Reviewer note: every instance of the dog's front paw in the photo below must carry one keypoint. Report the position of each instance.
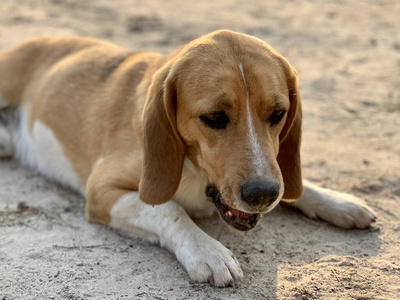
(342, 210)
(207, 260)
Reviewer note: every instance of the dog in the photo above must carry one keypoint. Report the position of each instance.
(152, 140)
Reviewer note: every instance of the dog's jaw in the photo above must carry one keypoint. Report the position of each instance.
(237, 219)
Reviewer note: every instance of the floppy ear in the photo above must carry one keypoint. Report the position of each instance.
(163, 146)
(290, 140)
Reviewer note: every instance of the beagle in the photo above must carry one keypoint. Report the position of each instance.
(152, 140)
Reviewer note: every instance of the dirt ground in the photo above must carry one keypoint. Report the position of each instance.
(348, 57)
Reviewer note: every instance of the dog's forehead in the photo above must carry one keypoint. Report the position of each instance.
(229, 81)
(220, 69)
(221, 60)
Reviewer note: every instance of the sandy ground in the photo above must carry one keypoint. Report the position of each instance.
(348, 57)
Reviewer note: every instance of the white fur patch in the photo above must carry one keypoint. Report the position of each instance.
(204, 258)
(129, 214)
(259, 157)
(23, 142)
(191, 194)
(42, 151)
(99, 161)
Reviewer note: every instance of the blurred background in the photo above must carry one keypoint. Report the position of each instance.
(347, 53)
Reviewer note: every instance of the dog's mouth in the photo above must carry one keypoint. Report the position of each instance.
(236, 218)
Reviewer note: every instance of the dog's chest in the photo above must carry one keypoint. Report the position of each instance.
(191, 192)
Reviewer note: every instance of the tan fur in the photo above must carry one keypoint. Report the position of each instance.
(140, 113)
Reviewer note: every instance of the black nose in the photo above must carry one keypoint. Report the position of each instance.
(260, 191)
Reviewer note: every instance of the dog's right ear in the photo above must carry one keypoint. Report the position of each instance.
(163, 145)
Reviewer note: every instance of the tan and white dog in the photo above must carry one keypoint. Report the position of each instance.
(152, 139)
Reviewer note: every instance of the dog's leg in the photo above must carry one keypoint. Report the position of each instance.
(204, 258)
(6, 142)
(340, 209)
(6, 145)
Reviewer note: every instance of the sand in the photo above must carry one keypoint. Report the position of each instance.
(348, 57)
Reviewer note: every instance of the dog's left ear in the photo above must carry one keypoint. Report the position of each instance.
(163, 145)
(290, 140)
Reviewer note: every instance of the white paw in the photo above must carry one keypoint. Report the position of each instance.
(342, 210)
(6, 145)
(207, 260)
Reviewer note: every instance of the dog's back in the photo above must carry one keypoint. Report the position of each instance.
(30, 60)
(75, 86)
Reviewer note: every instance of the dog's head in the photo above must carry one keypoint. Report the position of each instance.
(230, 104)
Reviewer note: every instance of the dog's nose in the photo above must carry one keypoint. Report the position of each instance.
(260, 191)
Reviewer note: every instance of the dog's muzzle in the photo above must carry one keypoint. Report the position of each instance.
(237, 219)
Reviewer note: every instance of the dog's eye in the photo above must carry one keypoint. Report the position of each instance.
(218, 120)
(276, 116)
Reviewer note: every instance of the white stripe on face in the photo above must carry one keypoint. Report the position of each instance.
(259, 160)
